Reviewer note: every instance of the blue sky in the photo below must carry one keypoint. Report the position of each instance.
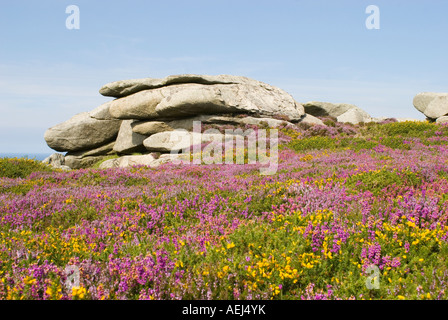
(315, 50)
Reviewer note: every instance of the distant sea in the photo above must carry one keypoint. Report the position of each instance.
(37, 156)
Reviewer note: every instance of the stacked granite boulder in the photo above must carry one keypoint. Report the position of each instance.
(433, 105)
(146, 111)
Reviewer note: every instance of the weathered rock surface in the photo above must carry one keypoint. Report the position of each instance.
(127, 87)
(431, 104)
(75, 162)
(83, 131)
(169, 158)
(148, 128)
(343, 112)
(151, 127)
(127, 140)
(57, 161)
(354, 116)
(127, 161)
(180, 139)
(269, 122)
(145, 160)
(443, 119)
(106, 149)
(309, 119)
(322, 109)
(190, 99)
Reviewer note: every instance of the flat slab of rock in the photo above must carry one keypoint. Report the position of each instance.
(124, 88)
(106, 149)
(191, 99)
(177, 140)
(431, 104)
(269, 122)
(151, 127)
(145, 160)
(127, 161)
(84, 131)
(148, 128)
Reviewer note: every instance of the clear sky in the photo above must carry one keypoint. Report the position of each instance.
(313, 49)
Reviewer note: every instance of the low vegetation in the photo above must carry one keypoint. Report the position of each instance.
(353, 212)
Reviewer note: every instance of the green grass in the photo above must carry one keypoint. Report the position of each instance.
(395, 135)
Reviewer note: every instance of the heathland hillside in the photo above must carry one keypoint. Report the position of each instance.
(352, 211)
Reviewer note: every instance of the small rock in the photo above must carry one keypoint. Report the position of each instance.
(56, 160)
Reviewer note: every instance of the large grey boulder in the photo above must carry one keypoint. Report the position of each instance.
(431, 104)
(127, 140)
(84, 131)
(343, 112)
(190, 99)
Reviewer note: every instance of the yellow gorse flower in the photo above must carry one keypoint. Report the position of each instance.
(78, 292)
